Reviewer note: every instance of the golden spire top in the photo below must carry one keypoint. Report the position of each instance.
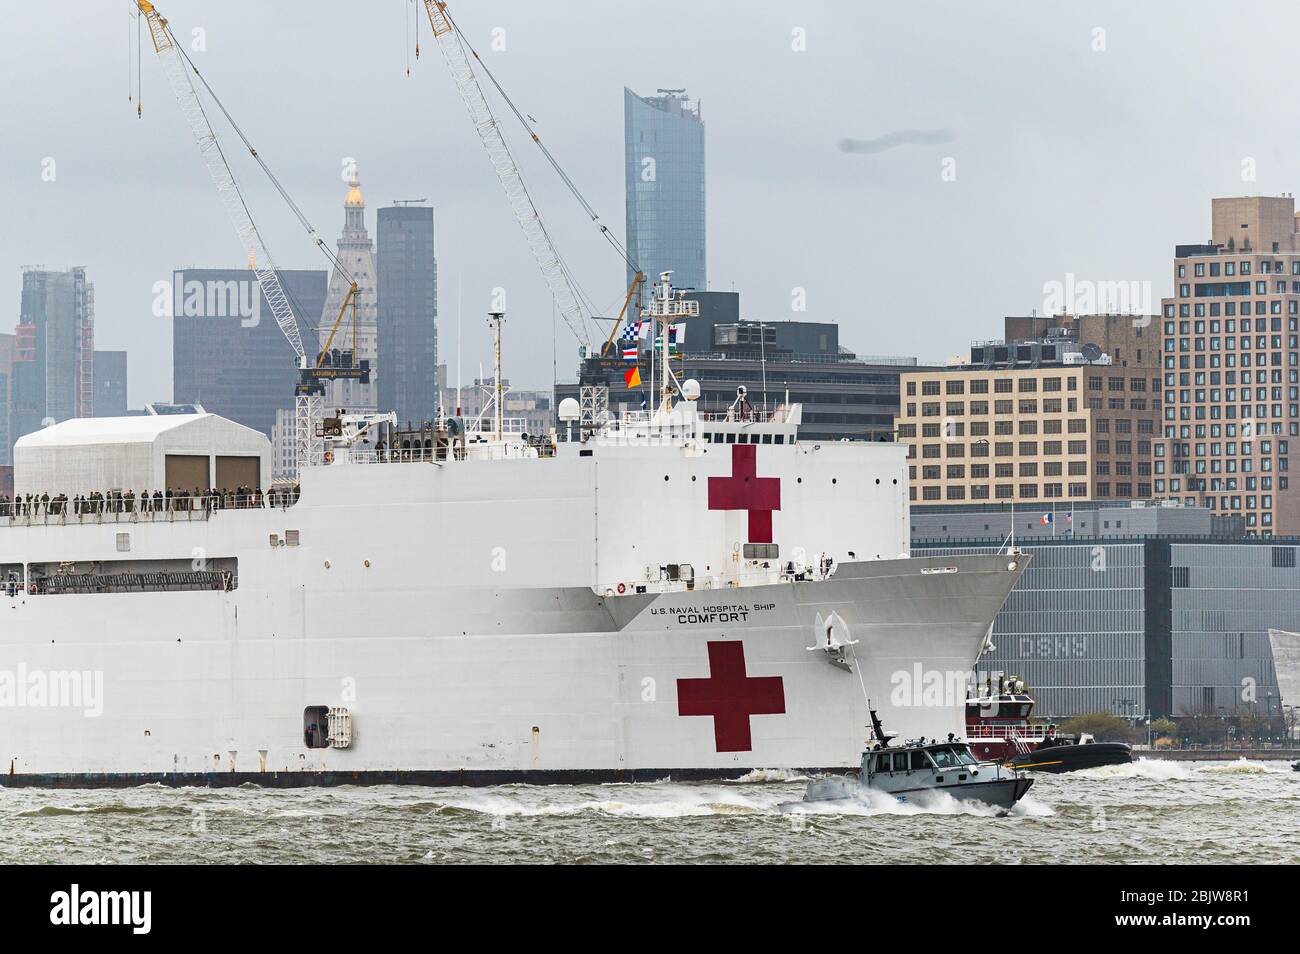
(354, 199)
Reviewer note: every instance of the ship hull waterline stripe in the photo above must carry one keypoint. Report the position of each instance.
(469, 778)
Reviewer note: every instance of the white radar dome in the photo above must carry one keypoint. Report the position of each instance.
(569, 410)
(691, 389)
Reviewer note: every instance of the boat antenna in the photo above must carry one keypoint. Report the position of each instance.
(879, 730)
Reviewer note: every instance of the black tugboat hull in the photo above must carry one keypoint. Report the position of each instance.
(1071, 758)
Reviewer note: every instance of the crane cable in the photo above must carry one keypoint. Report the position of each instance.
(288, 199)
(134, 11)
(564, 176)
(299, 312)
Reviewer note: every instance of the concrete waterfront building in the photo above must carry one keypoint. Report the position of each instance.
(228, 353)
(407, 302)
(1077, 521)
(110, 384)
(357, 253)
(664, 186)
(1231, 366)
(1051, 419)
(1161, 614)
(54, 350)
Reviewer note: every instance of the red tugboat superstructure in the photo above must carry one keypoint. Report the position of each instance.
(998, 730)
(997, 723)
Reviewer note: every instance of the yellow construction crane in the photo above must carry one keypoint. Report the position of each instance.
(638, 281)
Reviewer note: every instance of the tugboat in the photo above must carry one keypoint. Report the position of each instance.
(915, 767)
(997, 724)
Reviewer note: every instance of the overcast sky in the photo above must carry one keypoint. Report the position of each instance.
(1075, 151)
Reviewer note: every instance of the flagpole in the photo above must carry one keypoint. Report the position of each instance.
(650, 401)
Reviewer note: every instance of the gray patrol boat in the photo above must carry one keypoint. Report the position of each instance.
(909, 770)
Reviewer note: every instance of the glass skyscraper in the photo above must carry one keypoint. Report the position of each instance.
(228, 353)
(408, 313)
(664, 175)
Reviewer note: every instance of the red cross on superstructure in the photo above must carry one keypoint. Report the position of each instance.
(730, 696)
(744, 490)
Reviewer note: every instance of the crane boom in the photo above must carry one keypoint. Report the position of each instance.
(521, 203)
(259, 259)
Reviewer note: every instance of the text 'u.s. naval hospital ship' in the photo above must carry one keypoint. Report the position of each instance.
(664, 595)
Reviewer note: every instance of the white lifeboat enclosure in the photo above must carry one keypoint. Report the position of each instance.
(144, 452)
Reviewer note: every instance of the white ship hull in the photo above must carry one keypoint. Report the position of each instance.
(469, 619)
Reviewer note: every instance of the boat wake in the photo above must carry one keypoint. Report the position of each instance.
(659, 802)
(768, 776)
(874, 802)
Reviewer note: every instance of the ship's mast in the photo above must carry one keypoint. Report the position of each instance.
(667, 308)
(498, 389)
(666, 397)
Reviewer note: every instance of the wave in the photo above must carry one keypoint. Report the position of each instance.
(768, 776)
(1156, 770)
(1030, 807)
(54, 811)
(1244, 766)
(672, 801)
(871, 802)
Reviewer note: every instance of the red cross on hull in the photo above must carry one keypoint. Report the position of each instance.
(730, 696)
(745, 490)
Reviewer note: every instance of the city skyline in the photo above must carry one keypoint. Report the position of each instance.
(1020, 153)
